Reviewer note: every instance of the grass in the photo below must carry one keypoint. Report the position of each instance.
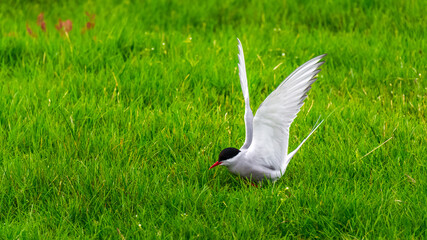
(109, 134)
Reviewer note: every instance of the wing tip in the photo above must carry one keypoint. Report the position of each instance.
(318, 58)
(317, 71)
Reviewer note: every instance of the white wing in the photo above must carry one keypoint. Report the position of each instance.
(275, 115)
(248, 112)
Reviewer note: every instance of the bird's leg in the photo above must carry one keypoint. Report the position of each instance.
(249, 180)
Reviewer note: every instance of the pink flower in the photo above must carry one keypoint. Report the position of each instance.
(90, 24)
(64, 26)
(41, 22)
(30, 31)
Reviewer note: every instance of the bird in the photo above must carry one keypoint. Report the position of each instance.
(264, 154)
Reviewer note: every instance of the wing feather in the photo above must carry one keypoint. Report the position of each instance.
(275, 115)
(244, 84)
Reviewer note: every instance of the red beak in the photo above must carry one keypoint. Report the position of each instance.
(215, 164)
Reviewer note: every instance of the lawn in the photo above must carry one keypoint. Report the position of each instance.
(107, 129)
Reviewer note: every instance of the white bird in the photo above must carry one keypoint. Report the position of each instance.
(265, 151)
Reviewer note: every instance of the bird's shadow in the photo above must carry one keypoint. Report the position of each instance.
(233, 182)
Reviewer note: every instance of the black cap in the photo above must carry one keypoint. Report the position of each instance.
(228, 153)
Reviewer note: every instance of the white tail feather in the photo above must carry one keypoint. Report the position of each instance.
(290, 155)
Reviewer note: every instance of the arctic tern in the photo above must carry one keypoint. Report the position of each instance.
(265, 151)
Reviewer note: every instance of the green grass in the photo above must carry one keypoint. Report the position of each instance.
(109, 134)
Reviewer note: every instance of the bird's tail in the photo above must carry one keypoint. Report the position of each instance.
(290, 155)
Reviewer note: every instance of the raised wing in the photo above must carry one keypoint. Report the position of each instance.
(275, 115)
(248, 112)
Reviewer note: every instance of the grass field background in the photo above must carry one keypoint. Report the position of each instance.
(110, 133)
